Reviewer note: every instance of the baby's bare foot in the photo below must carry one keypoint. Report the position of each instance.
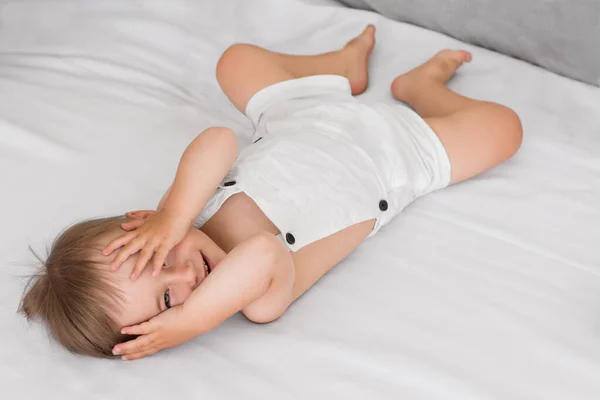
(357, 52)
(439, 68)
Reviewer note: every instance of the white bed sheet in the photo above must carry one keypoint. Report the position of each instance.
(486, 290)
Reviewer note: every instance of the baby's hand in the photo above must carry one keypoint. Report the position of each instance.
(137, 215)
(155, 234)
(167, 329)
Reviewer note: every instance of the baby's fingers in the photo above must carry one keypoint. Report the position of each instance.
(159, 259)
(118, 242)
(133, 247)
(145, 255)
(140, 344)
(142, 354)
(132, 225)
(139, 214)
(140, 329)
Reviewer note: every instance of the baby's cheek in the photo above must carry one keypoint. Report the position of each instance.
(181, 294)
(176, 256)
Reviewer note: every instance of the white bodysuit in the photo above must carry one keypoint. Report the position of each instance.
(322, 160)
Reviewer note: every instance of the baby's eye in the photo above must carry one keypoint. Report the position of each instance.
(167, 298)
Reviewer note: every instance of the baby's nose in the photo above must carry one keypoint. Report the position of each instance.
(183, 274)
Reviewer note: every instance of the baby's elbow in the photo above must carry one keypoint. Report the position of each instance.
(226, 136)
(277, 266)
(262, 315)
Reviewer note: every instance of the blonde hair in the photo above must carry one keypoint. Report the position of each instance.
(72, 292)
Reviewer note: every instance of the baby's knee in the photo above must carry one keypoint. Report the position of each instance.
(505, 130)
(513, 130)
(233, 58)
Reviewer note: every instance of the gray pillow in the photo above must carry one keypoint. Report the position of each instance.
(562, 36)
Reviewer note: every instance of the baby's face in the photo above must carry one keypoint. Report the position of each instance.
(148, 296)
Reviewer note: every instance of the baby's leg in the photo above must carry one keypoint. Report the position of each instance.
(477, 135)
(244, 69)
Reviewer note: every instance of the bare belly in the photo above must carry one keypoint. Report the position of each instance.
(238, 219)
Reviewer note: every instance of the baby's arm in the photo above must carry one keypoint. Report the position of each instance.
(256, 277)
(203, 165)
(216, 141)
(163, 200)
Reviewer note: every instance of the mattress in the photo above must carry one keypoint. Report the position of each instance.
(489, 289)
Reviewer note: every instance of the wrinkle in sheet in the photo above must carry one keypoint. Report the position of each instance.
(89, 70)
(18, 138)
(512, 239)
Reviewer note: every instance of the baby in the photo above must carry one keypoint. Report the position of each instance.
(325, 172)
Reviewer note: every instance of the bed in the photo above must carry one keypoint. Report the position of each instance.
(489, 289)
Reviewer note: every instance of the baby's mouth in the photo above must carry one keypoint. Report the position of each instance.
(207, 268)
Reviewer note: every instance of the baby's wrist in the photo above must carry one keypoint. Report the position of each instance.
(178, 216)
